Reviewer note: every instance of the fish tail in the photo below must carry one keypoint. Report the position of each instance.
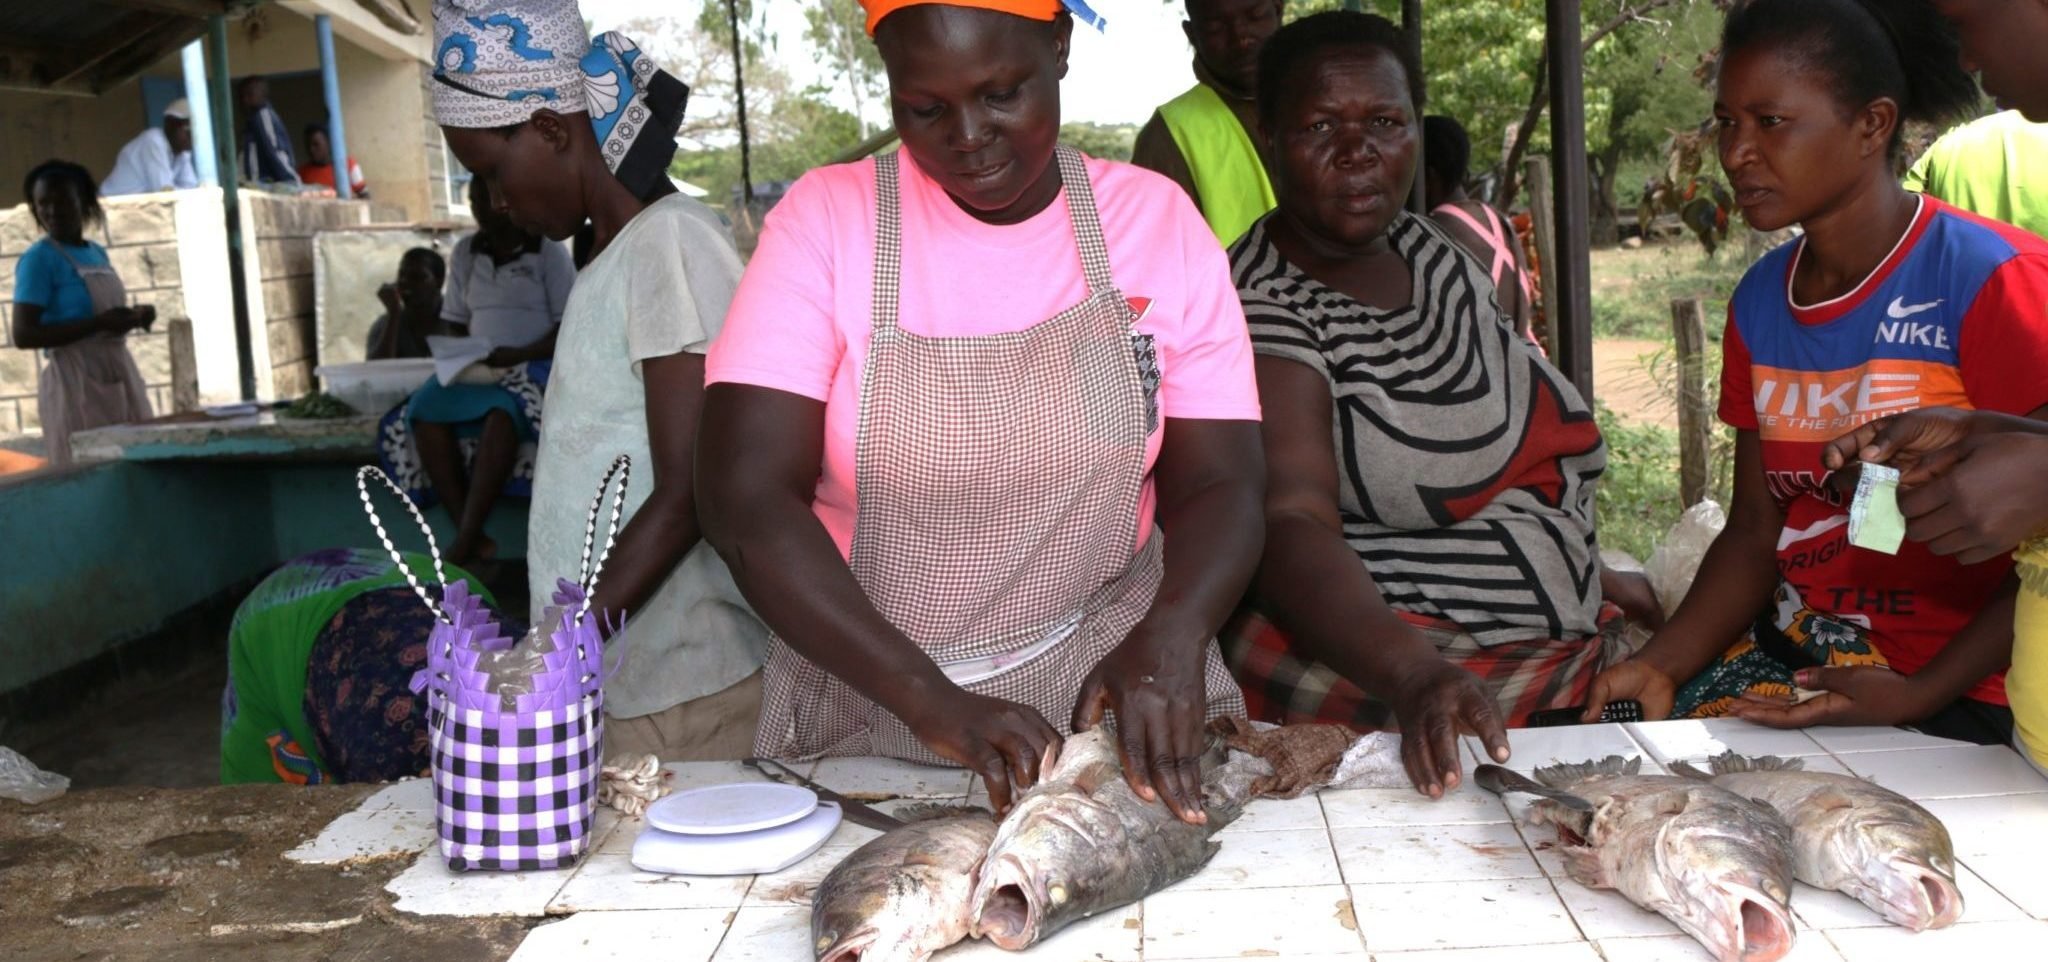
(1728, 763)
(1563, 774)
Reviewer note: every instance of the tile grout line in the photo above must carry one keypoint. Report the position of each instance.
(1343, 877)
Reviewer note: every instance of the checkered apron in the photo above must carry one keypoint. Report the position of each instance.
(515, 789)
(997, 479)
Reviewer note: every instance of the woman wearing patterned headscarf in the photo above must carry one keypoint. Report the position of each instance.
(566, 130)
(960, 385)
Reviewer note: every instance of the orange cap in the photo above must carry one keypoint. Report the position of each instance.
(1030, 9)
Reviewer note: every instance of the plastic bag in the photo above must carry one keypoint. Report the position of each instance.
(1373, 761)
(22, 781)
(1676, 561)
(511, 669)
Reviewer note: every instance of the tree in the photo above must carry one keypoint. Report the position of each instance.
(1486, 67)
(837, 32)
(700, 53)
(1104, 141)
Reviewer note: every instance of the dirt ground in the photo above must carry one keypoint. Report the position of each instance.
(149, 858)
(1621, 376)
(168, 875)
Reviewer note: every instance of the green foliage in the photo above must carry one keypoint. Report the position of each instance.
(1480, 59)
(798, 133)
(1106, 141)
(1638, 499)
(837, 33)
(1633, 289)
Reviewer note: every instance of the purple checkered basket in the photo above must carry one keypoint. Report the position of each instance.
(515, 789)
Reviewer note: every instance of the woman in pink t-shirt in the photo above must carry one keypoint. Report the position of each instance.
(958, 386)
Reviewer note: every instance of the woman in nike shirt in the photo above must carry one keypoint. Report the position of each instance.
(1890, 302)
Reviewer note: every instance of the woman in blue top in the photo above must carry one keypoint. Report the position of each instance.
(69, 304)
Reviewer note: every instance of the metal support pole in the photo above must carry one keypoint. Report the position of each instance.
(1573, 298)
(230, 195)
(330, 84)
(1411, 24)
(205, 159)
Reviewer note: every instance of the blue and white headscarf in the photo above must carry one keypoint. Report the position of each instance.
(496, 62)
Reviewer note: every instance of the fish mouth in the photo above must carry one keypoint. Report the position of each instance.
(848, 949)
(1922, 898)
(1007, 911)
(1762, 932)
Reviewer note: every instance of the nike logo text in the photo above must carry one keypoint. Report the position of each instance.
(1899, 308)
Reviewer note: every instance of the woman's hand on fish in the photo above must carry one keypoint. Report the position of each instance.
(1155, 686)
(1433, 705)
(1001, 741)
(1863, 695)
(1633, 679)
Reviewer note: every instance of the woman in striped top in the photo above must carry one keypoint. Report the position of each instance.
(1434, 568)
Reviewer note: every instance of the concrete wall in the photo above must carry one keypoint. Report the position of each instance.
(88, 130)
(141, 237)
(279, 271)
(171, 251)
(380, 74)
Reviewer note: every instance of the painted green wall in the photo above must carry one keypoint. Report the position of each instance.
(99, 556)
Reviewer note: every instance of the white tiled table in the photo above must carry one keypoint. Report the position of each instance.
(1383, 874)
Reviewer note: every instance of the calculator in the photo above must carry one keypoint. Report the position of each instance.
(1623, 710)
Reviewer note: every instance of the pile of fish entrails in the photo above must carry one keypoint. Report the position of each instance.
(1078, 843)
(1716, 852)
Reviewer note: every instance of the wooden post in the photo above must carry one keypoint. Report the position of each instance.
(1571, 299)
(1695, 422)
(1543, 221)
(1411, 25)
(184, 367)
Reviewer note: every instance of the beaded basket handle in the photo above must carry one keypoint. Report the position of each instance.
(622, 469)
(363, 477)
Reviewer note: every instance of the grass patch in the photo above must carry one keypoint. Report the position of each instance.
(1633, 289)
(1639, 498)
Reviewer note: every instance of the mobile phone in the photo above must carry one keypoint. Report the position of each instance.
(1623, 710)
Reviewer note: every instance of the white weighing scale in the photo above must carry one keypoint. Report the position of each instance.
(745, 828)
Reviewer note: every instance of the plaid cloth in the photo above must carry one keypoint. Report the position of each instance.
(1284, 688)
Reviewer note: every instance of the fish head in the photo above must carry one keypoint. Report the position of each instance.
(1905, 869)
(1052, 850)
(899, 927)
(1730, 882)
(846, 933)
(896, 919)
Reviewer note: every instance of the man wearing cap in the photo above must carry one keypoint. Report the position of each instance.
(159, 158)
(1203, 139)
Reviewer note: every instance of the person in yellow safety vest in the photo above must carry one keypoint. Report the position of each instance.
(1206, 140)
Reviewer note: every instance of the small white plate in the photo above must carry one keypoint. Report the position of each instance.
(731, 809)
(753, 853)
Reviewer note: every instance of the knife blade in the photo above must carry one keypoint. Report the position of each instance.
(859, 813)
(1501, 781)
